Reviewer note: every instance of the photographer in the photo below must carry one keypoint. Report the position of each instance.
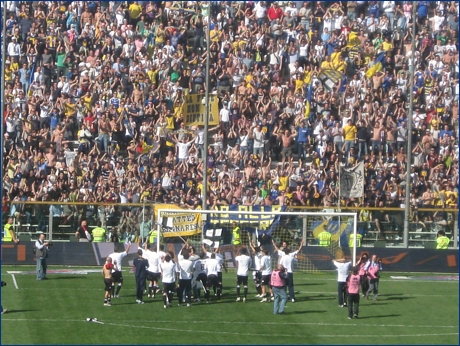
(1, 306)
(41, 253)
(278, 284)
(373, 269)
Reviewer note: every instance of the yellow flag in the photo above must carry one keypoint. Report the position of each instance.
(308, 102)
(353, 40)
(374, 69)
(377, 65)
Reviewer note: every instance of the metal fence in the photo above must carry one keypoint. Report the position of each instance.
(379, 227)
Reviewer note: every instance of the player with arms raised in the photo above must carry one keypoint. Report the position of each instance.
(199, 273)
(117, 274)
(108, 281)
(212, 268)
(153, 271)
(243, 262)
(266, 268)
(257, 274)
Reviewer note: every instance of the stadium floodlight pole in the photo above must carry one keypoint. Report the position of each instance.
(2, 96)
(340, 195)
(158, 232)
(339, 206)
(143, 220)
(204, 193)
(409, 132)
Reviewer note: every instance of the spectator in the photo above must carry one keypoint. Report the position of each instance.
(102, 88)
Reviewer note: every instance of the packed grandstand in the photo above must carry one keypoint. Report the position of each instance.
(104, 102)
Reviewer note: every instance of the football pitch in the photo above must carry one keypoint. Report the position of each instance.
(421, 308)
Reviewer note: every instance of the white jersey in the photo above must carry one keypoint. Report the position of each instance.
(342, 269)
(280, 254)
(200, 266)
(168, 272)
(212, 266)
(154, 260)
(288, 262)
(220, 260)
(266, 265)
(185, 269)
(161, 255)
(118, 257)
(257, 258)
(244, 263)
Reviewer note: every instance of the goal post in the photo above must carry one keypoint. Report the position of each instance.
(263, 228)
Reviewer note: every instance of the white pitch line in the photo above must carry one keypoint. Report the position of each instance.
(384, 336)
(326, 324)
(393, 296)
(14, 281)
(381, 280)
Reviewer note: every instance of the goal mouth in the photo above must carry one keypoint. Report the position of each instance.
(272, 228)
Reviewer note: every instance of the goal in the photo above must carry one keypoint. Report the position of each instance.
(267, 227)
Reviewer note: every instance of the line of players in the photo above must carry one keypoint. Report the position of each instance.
(193, 273)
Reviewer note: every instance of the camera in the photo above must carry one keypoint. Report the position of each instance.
(50, 244)
(3, 283)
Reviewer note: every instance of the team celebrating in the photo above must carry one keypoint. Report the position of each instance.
(192, 273)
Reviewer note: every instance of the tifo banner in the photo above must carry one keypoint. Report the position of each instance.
(333, 227)
(177, 224)
(330, 78)
(195, 110)
(264, 221)
(352, 181)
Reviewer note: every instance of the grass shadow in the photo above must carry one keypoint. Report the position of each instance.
(311, 284)
(306, 312)
(129, 303)
(399, 298)
(15, 311)
(379, 316)
(320, 297)
(377, 303)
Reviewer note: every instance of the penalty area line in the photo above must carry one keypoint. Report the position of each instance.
(14, 281)
(236, 322)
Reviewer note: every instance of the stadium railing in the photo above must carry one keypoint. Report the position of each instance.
(48, 217)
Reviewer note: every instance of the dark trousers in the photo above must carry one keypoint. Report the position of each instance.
(353, 304)
(290, 285)
(140, 285)
(185, 287)
(342, 291)
(364, 284)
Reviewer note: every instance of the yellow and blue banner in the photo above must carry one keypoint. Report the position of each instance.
(378, 66)
(265, 223)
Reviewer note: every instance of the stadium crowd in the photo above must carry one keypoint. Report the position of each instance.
(94, 102)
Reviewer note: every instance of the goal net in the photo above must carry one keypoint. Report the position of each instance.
(269, 228)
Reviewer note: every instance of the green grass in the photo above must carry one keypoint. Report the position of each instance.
(55, 312)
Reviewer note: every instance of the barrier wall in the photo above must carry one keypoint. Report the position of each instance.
(94, 254)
